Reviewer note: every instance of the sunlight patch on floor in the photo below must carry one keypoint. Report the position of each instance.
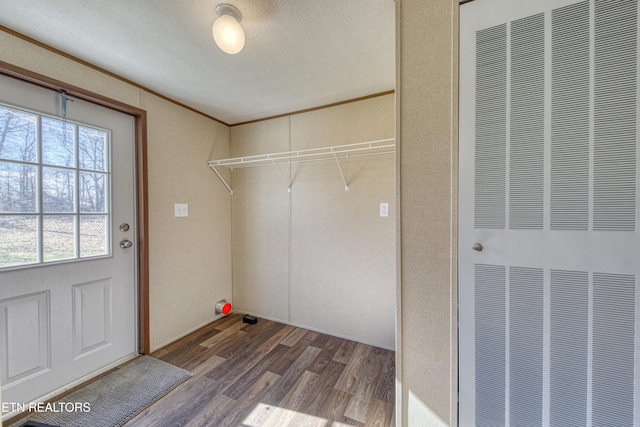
(264, 415)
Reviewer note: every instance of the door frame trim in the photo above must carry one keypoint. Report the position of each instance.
(142, 203)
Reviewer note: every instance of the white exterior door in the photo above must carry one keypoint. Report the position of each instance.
(67, 288)
(549, 249)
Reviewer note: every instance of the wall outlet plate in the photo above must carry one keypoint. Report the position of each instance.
(384, 209)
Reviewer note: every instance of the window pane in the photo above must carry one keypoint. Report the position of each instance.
(93, 192)
(18, 240)
(51, 171)
(58, 237)
(58, 187)
(93, 235)
(17, 135)
(92, 146)
(57, 142)
(18, 188)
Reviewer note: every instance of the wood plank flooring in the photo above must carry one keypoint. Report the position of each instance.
(274, 375)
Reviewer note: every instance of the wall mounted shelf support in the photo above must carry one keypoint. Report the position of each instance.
(284, 181)
(338, 152)
(346, 186)
(222, 179)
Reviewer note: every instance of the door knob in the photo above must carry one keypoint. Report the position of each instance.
(477, 247)
(125, 244)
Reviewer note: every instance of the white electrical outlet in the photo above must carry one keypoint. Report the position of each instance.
(181, 209)
(384, 209)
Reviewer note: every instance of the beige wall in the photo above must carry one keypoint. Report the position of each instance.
(190, 258)
(427, 192)
(261, 223)
(318, 257)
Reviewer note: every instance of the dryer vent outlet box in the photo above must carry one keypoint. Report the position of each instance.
(223, 307)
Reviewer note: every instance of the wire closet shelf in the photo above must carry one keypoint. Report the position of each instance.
(335, 153)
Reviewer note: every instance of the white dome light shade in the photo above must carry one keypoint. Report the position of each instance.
(227, 31)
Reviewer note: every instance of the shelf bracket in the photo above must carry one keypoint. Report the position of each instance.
(221, 178)
(284, 181)
(346, 186)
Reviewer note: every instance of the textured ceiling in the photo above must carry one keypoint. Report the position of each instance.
(298, 54)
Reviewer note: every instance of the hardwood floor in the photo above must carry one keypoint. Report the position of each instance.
(271, 374)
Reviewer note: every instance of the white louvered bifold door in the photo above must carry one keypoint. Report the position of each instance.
(549, 187)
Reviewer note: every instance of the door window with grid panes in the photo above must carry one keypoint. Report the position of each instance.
(54, 189)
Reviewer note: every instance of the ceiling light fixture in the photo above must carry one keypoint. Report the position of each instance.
(227, 31)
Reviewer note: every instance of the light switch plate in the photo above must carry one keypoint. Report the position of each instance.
(181, 209)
